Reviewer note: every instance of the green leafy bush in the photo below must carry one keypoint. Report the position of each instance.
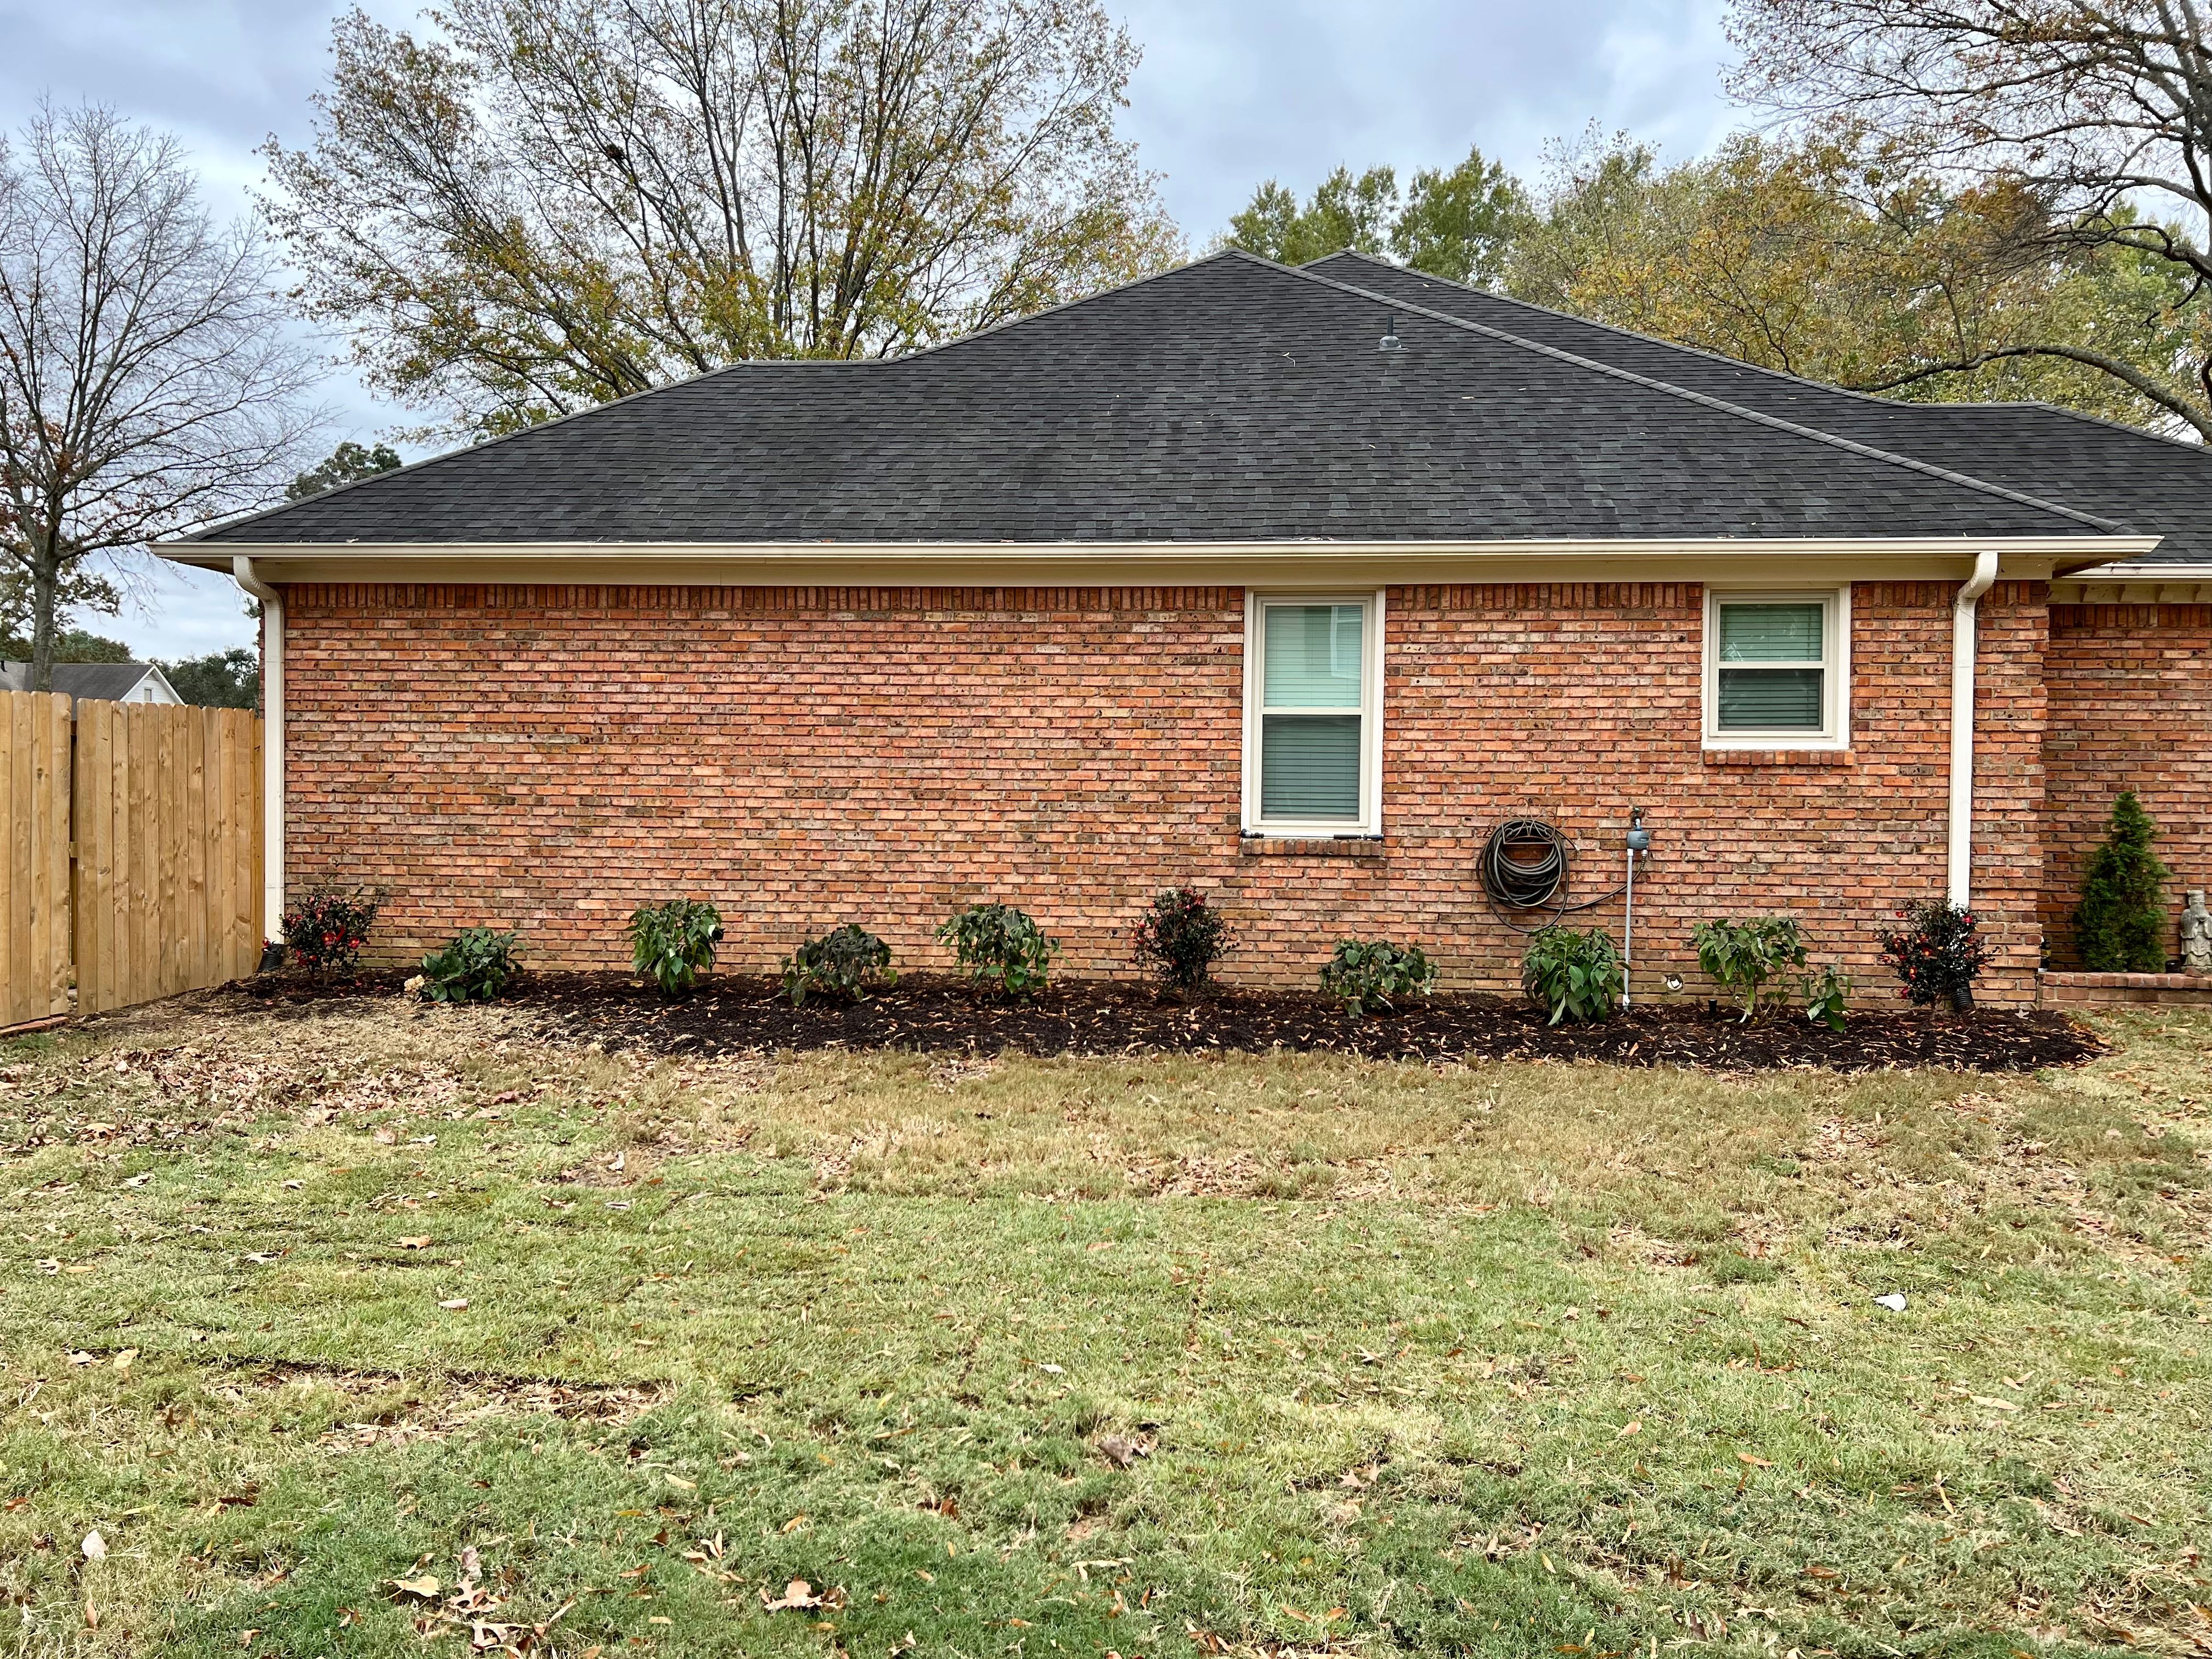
(1577, 976)
(847, 963)
(1744, 955)
(673, 944)
(327, 927)
(1365, 975)
(998, 942)
(1936, 954)
(475, 966)
(2121, 927)
(1181, 937)
(1825, 993)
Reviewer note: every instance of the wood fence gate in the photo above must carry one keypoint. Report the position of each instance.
(134, 849)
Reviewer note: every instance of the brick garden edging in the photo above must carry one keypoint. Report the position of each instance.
(2096, 990)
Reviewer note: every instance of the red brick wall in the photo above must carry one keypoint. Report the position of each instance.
(2131, 708)
(547, 758)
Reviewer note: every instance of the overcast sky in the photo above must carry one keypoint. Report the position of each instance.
(1231, 92)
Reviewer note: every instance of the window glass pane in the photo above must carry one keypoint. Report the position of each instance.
(1311, 655)
(1310, 767)
(1771, 700)
(1770, 632)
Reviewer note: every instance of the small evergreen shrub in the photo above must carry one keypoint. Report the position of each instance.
(998, 942)
(1181, 937)
(327, 928)
(847, 963)
(1577, 976)
(1936, 954)
(673, 944)
(2121, 927)
(1742, 956)
(1365, 975)
(1824, 996)
(475, 966)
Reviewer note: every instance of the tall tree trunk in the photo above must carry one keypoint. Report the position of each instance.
(45, 582)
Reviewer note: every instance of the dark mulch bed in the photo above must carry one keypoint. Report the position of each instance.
(732, 1015)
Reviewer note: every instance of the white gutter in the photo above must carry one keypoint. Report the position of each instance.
(273, 740)
(1960, 861)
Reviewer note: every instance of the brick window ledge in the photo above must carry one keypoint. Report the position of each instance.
(1316, 847)
(1827, 757)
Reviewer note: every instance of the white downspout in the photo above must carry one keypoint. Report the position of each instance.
(273, 740)
(1960, 863)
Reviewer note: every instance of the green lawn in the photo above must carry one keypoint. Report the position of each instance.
(1150, 1356)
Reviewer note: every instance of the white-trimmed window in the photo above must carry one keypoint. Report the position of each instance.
(1313, 703)
(1777, 669)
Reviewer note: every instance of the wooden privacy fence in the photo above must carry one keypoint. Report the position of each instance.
(135, 852)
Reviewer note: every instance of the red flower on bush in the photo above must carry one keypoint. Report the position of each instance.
(327, 927)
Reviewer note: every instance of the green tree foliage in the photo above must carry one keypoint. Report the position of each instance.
(1456, 223)
(76, 589)
(2121, 926)
(2093, 113)
(549, 204)
(220, 679)
(1832, 256)
(349, 463)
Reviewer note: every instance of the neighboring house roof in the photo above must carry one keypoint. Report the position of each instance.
(1232, 400)
(101, 682)
(2157, 484)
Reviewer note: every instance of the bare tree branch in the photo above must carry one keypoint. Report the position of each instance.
(147, 378)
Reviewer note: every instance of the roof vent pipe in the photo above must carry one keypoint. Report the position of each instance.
(1390, 341)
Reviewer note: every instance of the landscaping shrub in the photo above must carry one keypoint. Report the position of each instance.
(2121, 927)
(998, 942)
(327, 928)
(1742, 956)
(1365, 975)
(1577, 976)
(1181, 937)
(845, 964)
(1825, 993)
(674, 943)
(474, 966)
(1936, 954)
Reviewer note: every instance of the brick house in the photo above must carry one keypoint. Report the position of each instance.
(1292, 584)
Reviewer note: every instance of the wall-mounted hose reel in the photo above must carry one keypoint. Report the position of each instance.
(1525, 864)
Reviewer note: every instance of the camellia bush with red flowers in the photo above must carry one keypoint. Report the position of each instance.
(327, 928)
(1936, 954)
(1181, 937)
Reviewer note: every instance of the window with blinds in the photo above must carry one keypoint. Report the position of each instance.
(1310, 718)
(1773, 671)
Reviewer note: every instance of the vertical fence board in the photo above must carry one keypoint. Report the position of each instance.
(130, 847)
(35, 923)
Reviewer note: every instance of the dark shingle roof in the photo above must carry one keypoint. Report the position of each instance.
(1231, 399)
(2160, 486)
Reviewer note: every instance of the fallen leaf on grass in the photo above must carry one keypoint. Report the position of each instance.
(1994, 1404)
(136, 1180)
(426, 1587)
(797, 1594)
(679, 1482)
(81, 1358)
(422, 1242)
(296, 1185)
(1755, 1463)
(1121, 1452)
(454, 1304)
(1632, 1428)
(94, 1546)
(122, 1361)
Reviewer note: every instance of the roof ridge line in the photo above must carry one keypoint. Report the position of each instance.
(1849, 445)
(1725, 362)
(258, 513)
